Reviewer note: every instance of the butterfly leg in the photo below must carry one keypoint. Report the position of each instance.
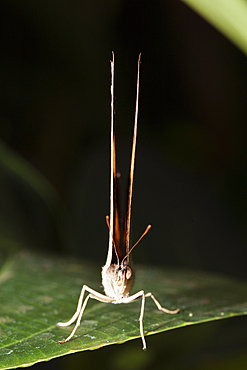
(80, 309)
(159, 305)
(142, 312)
(73, 318)
(144, 347)
(139, 295)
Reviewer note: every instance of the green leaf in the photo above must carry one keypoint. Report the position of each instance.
(228, 16)
(38, 291)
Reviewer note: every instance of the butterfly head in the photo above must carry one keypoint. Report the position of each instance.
(118, 280)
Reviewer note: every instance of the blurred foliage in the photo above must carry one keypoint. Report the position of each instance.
(228, 16)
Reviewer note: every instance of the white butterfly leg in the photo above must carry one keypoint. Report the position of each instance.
(80, 309)
(132, 298)
(159, 305)
(141, 295)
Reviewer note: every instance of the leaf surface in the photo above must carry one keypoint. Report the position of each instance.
(38, 291)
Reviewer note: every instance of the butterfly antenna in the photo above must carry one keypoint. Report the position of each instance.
(145, 232)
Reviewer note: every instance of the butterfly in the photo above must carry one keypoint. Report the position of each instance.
(117, 273)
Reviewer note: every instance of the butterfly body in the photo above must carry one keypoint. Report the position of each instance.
(117, 274)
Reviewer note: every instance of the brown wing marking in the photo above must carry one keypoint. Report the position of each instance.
(132, 167)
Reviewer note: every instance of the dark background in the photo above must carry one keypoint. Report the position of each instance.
(191, 162)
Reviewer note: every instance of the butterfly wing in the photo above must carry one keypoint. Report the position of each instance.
(114, 229)
(131, 175)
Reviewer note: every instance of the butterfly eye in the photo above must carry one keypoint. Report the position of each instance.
(111, 271)
(128, 272)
